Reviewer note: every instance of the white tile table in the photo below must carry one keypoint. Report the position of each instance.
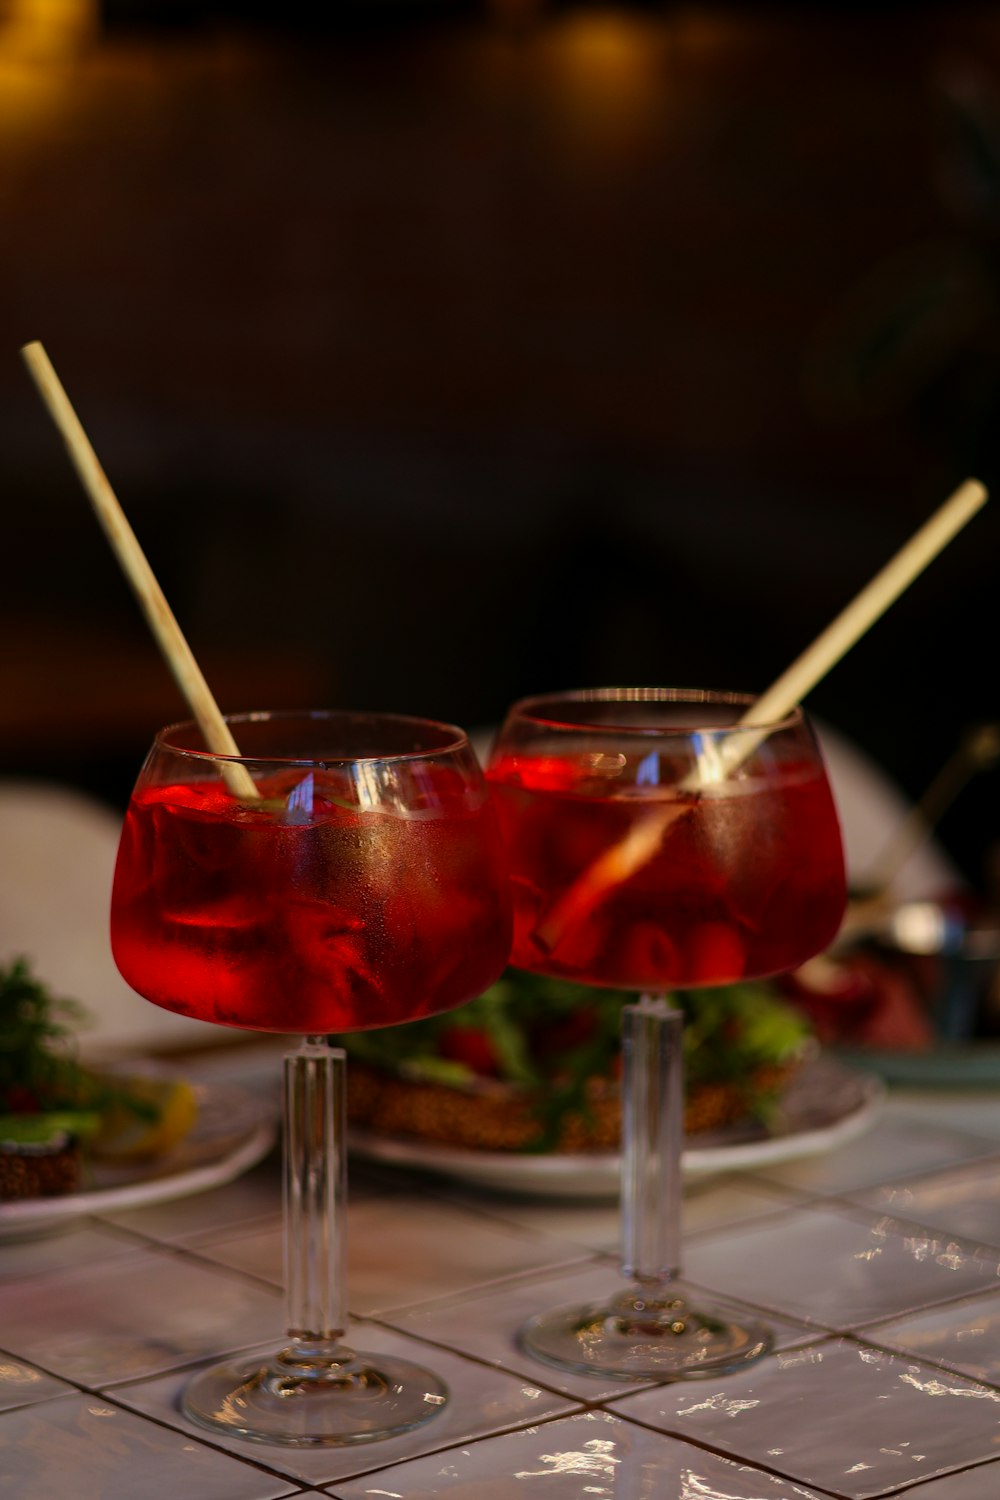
(878, 1265)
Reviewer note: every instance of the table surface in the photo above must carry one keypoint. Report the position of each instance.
(877, 1264)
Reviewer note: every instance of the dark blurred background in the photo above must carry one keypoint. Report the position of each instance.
(445, 352)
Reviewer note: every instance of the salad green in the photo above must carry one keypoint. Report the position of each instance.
(549, 1039)
(44, 1089)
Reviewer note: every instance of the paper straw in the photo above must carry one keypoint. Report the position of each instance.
(623, 859)
(152, 601)
(874, 599)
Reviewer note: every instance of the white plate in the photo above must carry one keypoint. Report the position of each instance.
(825, 1106)
(232, 1133)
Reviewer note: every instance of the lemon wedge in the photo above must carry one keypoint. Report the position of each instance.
(170, 1107)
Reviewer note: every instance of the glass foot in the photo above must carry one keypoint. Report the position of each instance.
(323, 1398)
(667, 1334)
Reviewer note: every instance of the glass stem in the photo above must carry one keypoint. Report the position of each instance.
(652, 1140)
(315, 1194)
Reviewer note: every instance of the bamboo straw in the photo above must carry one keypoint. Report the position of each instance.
(788, 691)
(160, 617)
(874, 599)
(622, 860)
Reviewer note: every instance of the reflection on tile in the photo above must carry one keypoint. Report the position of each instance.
(964, 1335)
(965, 1202)
(894, 1149)
(83, 1445)
(403, 1250)
(839, 1271)
(591, 1454)
(481, 1401)
(21, 1384)
(835, 1414)
(145, 1313)
(486, 1324)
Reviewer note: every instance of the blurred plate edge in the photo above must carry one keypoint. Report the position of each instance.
(213, 1155)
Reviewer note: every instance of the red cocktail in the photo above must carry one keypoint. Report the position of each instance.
(258, 917)
(656, 840)
(748, 882)
(343, 871)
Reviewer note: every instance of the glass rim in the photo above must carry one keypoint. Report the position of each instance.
(526, 709)
(453, 738)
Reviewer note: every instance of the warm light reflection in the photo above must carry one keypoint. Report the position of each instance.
(697, 1487)
(38, 40)
(602, 46)
(605, 69)
(46, 30)
(787, 1360)
(729, 1407)
(935, 1387)
(595, 1459)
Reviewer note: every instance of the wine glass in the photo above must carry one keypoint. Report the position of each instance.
(657, 842)
(344, 871)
